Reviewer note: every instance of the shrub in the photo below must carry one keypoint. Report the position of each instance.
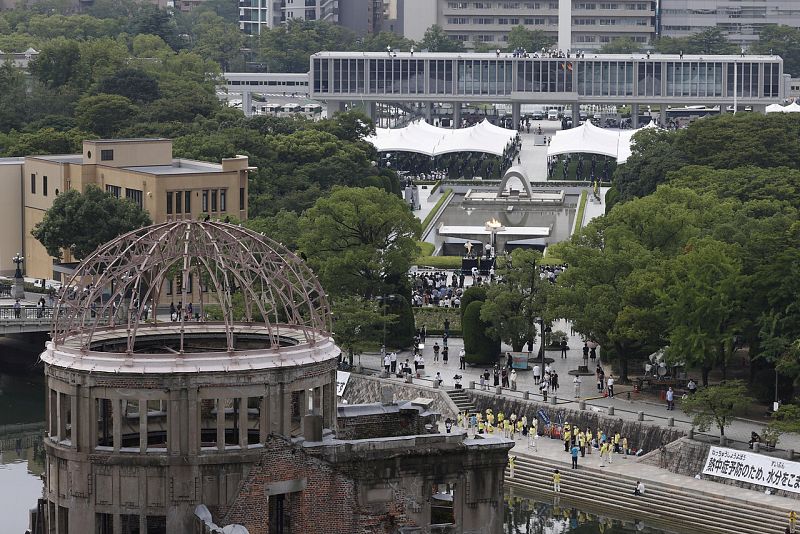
(401, 333)
(471, 294)
(480, 348)
(433, 320)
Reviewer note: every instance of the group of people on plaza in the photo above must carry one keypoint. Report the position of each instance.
(438, 289)
(592, 174)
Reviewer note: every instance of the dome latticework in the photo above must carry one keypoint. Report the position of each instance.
(244, 279)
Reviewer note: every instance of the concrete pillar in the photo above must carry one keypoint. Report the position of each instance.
(243, 422)
(193, 424)
(640, 416)
(634, 116)
(582, 405)
(370, 110)
(142, 425)
(662, 115)
(670, 421)
(220, 424)
(285, 412)
(471, 384)
(564, 25)
(116, 425)
(428, 109)
(263, 424)
(610, 410)
(554, 400)
(526, 395)
(515, 114)
(456, 114)
(335, 106)
(247, 103)
(498, 390)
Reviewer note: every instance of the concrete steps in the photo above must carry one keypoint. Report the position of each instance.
(681, 508)
(462, 401)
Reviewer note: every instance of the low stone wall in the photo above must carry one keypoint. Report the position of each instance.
(362, 389)
(640, 435)
(383, 421)
(688, 457)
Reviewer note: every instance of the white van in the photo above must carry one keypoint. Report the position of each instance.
(552, 115)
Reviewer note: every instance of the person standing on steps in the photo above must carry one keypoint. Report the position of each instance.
(556, 481)
(574, 452)
(512, 461)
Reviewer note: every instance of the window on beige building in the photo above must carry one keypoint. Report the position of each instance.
(106, 155)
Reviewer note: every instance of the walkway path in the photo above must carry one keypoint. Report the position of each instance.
(626, 403)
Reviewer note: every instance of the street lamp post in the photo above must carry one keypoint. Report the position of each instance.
(18, 289)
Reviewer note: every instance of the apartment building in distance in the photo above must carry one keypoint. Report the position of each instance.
(256, 15)
(141, 170)
(592, 23)
(741, 20)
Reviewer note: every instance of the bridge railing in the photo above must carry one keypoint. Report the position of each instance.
(26, 313)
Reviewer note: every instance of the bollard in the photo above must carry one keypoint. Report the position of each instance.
(610, 410)
(435, 384)
(757, 447)
(526, 395)
(723, 441)
(498, 390)
(471, 384)
(582, 405)
(691, 433)
(409, 379)
(553, 400)
(384, 374)
(514, 386)
(790, 454)
(670, 421)
(640, 416)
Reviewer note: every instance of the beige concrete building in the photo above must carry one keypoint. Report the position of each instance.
(11, 233)
(141, 170)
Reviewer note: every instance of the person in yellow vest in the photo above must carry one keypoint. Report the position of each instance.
(490, 428)
(567, 438)
(603, 450)
(582, 443)
(506, 429)
(533, 438)
(490, 418)
(524, 421)
(460, 420)
(625, 446)
(588, 440)
(556, 481)
(616, 442)
(500, 417)
(520, 427)
(512, 461)
(481, 427)
(792, 520)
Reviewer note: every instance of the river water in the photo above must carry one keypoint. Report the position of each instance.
(22, 402)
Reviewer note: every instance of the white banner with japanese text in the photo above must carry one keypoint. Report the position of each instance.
(342, 377)
(754, 468)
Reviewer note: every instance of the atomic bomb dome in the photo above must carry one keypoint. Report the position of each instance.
(153, 411)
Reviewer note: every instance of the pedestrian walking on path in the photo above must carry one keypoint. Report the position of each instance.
(574, 452)
(670, 399)
(537, 374)
(563, 347)
(462, 359)
(577, 383)
(610, 384)
(445, 354)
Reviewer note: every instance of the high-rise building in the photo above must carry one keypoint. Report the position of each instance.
(255, 15)
(741, 20)
(593, 23)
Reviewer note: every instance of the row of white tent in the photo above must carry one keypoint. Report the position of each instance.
(589, 139)
(777, 108)
(424, 138)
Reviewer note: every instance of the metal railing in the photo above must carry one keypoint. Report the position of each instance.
(26, 313)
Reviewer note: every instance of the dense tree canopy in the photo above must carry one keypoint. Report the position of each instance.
(80, 222)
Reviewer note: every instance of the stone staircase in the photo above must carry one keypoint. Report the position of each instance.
(462, 401)
(672, 507)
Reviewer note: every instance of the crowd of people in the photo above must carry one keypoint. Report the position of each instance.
(586, 169)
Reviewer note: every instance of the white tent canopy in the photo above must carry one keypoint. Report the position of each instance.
(590, 139)
(777, 108)
(423, 138)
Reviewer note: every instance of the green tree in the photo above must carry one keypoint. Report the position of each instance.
(13, 104)
(56, 63)
(360, 241)
(530, 40)
(44, 141)
(104, 114)
(218, 40)
(703, 300)
(436, 40)
(783, 41)
(717, 405)
(358, 324)
(134, 84)
(480, 348)
(378, 42)
(621, 45)
(510, 308)
(80, 222)
(283, 227)
(711, 41)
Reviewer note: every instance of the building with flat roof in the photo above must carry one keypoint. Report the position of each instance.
(741, 20)
(256, 15)
(364, 78)
(591, 24)
(141, 170)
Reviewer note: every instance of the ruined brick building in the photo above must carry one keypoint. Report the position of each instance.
(229, 414)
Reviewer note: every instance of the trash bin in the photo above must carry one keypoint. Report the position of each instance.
(662, 395)
(636, 387)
